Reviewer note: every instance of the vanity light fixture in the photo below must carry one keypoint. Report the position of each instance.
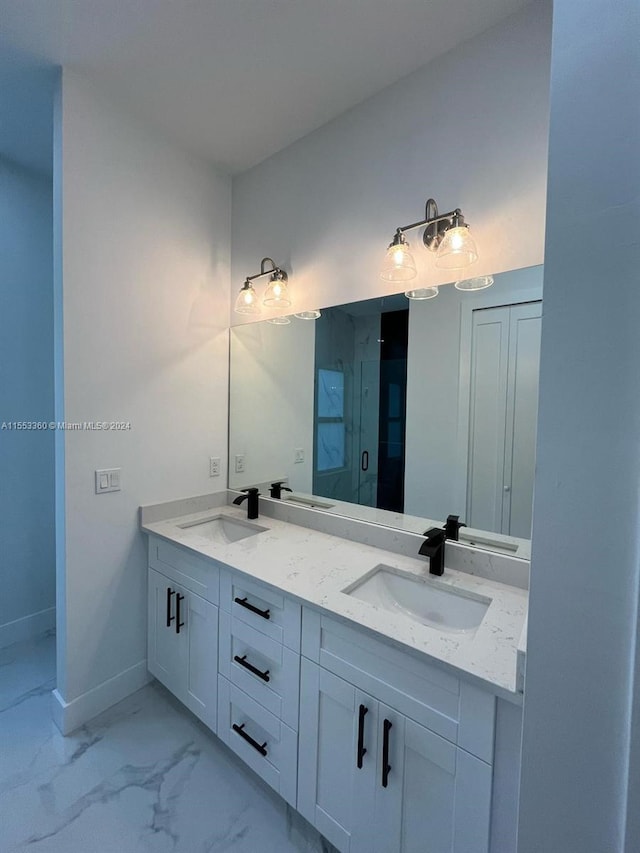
(478, 283)
(276, 294)
(446, 234)
(279, 321)
(314, 314)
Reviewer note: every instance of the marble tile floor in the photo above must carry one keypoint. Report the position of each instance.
(144, 777)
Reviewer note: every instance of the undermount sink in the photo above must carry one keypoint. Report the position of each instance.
(222, 529)
(422, 601)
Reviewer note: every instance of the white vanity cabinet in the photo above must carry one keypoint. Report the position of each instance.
(382, 749)
(182, 628)
(381, 769)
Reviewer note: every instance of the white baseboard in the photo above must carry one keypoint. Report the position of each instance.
(28, 627)
(68, 716)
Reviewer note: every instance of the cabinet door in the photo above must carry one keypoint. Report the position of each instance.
(437, 798)
(201, 637)
(166, 650)
(182, 645)
(335, 776)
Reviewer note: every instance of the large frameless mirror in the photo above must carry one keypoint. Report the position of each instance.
(399, 411)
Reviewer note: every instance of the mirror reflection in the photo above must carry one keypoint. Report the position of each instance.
(397, 410)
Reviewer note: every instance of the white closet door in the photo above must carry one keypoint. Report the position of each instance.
(522, 415)
(487, 418)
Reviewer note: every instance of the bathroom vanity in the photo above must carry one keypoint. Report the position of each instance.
(373, 698)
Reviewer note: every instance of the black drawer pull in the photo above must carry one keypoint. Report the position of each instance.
(254, 669)
(266, 614)
(386, 767)
(179, 624)
(361, 747)
(254, 743)
(170, 618)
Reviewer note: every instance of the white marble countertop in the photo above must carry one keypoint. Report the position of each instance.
(316, 567)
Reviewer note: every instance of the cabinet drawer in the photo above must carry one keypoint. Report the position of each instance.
(268, 611)
(275, 684)
(263, 741)
(455, 709)
(195, 573)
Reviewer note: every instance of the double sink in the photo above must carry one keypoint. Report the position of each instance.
(427, 602)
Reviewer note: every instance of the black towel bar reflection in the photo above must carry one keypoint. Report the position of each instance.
(261, 748)
(254, 669)
(266, 614)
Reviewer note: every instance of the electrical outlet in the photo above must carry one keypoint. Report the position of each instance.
(214, 466)
(107, 480)
(298, 455)
(239, 463)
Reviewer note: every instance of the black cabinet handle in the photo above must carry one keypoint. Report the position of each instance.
(364, 461)
(179, 624)
(170, 618)
(254, 669)
(266, 614)
(361, 747)
(261, 748)
(386, 767)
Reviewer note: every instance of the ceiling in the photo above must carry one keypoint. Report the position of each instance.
(237, 80)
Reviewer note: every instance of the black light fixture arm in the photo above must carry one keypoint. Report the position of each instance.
(274, 271)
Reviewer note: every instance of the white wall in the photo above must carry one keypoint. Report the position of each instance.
(586, 527)
(27, 544)
(271, 403)
(469, 129)
(145, 283)
(433, 477)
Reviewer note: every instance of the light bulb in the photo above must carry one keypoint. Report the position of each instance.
(247, 300)
(398, 264)
(457, 249)
(276, 294)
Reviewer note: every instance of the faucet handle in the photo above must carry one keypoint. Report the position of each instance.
(277, 488)
(252, 491)
(452, 527)
(435, 535)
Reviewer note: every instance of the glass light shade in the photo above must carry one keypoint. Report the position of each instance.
(247, 301)
(398, 264)
(478, 283)
(279, 321)
(457, 249)
(309, 315)
(277, 293)
(422, 293)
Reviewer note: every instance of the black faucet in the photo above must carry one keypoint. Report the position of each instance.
(433, 548)
(452, 527)
(278, 488)
(251, 497)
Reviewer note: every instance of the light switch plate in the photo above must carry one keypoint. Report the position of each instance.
(214, 466)
(298, 455)
(239, 463)
(108, 480)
